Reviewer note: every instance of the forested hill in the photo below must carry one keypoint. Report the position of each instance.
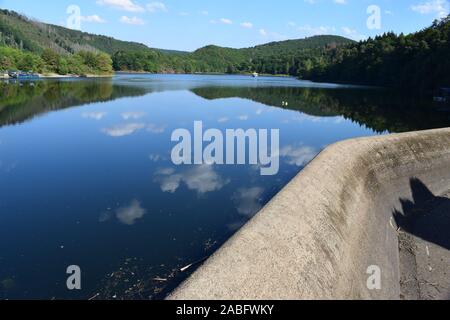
(420, 60)
(30, 41)
(284, 57)
(23, 33)
(293, 46)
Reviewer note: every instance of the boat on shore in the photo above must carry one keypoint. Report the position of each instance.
(255, 75)
(20, 75)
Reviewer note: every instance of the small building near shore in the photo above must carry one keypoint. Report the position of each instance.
(4, 75)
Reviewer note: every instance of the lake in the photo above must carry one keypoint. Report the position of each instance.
(86, 176)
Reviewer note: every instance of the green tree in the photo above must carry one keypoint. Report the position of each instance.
(51, 59)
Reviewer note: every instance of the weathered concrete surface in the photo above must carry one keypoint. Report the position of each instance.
(424, 237)
(318, 236)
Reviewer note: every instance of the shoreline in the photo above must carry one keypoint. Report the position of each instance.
(207, 73)
(61, 76)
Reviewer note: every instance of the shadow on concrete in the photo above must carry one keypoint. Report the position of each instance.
(426, 216)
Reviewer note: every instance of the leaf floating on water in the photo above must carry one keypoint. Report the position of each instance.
(185, 268)
(94, 297)
(160, 279)
(192, 264)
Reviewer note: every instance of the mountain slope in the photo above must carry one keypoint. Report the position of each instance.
(23, 33)
(292, 46)
(419, 60)
(28, 35)
(273, 58)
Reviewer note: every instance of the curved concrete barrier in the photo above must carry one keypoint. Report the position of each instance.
(317, 238)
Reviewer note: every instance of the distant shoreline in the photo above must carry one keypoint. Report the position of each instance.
(61, 76)
(207, 73)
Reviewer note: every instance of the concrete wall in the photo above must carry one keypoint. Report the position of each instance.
(318, 236)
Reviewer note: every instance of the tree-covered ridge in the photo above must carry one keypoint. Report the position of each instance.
(20, 32)
(49, 62)
(285, 57)
(419, 60)
(291, 46)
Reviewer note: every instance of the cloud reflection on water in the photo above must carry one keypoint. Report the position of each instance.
(299, 155)
(123, 129)
(248, 200)
(94, 115)
(201, 179)
(130, 214)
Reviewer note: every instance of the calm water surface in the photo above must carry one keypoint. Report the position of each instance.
(86, 177)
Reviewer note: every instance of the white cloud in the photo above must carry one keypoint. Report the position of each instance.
(155, 157)
(226, 21)
(133, 20)
(298, 155)
(130, 214)
(93, 19)
(248, 200)
(315, 31)
(202, 179)
(170, 182)
(157, 129)
(438, 7)
(156, 7)
(133, 115)
(247, 25)
(340, 1)
(272, 35)
(243, 117)
(353, 34)
(223, 120)
(94, 115)
(204, 12)
(123, 130)
(125, 5)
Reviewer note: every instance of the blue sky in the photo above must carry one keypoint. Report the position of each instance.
(191, 24)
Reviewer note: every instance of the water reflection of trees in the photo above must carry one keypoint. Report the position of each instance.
(22, 101)
(380, 110)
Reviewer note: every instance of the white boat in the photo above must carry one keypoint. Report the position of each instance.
(255, 75)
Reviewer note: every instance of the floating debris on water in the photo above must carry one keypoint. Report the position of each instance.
(133, 281)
